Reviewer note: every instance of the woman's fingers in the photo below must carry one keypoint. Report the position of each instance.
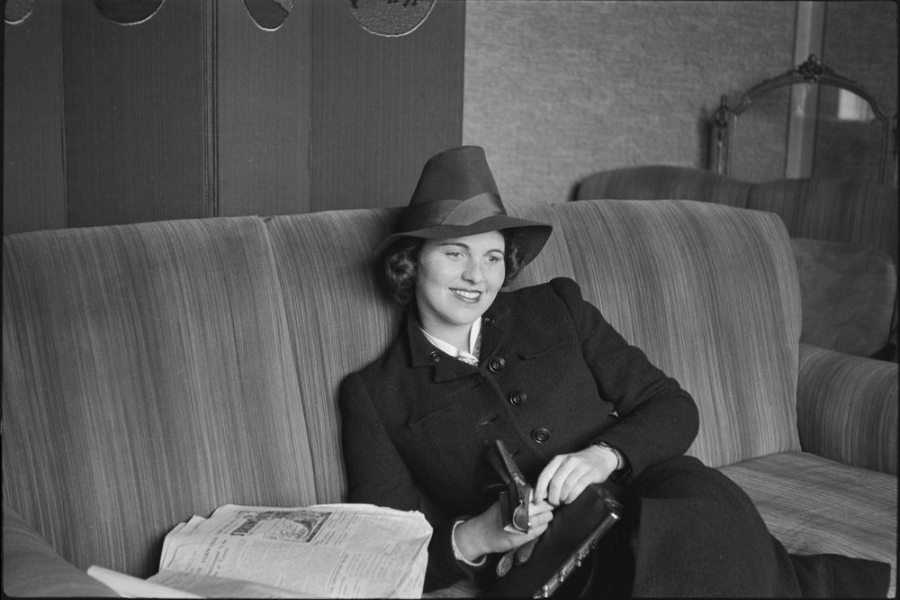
(579, 486)
(539, 514)
(565, 477)
(543, 481)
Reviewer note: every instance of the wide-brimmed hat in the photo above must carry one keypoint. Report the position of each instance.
(456, 197)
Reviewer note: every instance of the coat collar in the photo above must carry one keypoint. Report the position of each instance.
(494, 328)
(496, 331)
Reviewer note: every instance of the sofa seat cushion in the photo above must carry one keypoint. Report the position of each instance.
(815, 505)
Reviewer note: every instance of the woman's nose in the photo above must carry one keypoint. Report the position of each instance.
(472, 271)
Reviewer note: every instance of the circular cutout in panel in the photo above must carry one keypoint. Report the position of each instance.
(17, 11)
(128, 12)
(390, 18)
(269, 14)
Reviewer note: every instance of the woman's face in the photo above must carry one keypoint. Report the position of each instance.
(457, 280)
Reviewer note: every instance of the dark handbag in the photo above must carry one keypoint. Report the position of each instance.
(562, 549)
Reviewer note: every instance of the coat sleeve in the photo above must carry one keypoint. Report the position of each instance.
(657, 418)
(377, 474)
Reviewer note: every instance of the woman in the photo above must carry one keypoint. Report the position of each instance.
(542, 370)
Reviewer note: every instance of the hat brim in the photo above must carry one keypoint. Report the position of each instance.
(531, 236)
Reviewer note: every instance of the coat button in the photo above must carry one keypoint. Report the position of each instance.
(434, 356)
(496, 364)
(540, 435)
(517, 398)
(488, 320)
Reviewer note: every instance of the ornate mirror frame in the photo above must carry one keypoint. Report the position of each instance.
(812, 71)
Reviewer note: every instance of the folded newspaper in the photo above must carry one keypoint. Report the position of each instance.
(320, 551)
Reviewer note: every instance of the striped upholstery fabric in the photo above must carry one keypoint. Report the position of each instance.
(663, 182)
(56, 578)
(838, 210)
(146, 378)
(156, 371)
(710, 293)
(554, 260)
(814, 505)
(862, 215)
(838, 410)
(337, 318)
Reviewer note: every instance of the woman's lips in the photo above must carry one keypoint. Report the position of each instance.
(467, 295)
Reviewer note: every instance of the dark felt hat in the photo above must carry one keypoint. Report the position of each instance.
(457, 196)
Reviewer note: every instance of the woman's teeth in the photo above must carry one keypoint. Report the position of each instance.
(467, 295)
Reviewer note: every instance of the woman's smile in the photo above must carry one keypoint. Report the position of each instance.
(467, 295)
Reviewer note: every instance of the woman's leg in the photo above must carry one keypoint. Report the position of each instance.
(694, 532)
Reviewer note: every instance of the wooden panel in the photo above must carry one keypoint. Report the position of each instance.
(138, 114)
(382, 106)
(33, 177)
(263, 112)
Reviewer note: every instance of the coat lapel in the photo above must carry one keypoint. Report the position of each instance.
(498, 336)
(424, 354)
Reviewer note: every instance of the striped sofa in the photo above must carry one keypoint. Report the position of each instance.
(159, 370)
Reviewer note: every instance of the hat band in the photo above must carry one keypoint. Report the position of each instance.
(452, 212)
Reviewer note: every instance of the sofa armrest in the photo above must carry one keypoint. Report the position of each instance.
(847, 408)
(31, 567)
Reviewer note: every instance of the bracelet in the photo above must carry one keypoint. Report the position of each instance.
(457, 554)
(620, 462)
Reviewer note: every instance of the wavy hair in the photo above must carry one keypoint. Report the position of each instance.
(399, 266)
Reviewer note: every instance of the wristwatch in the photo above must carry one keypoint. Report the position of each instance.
(620, 461)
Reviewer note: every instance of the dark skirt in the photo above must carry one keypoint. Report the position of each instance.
(689, 531)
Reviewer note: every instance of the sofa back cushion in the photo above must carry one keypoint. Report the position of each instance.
(339, 319)
(849, 295)
(663, 182)
(147, 377)
(837, 210)
(711, 294)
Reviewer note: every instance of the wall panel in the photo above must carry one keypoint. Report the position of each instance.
(263, 111)
(138, 114)
(382, 106)
(33, 170)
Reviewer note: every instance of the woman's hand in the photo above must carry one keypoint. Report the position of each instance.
(567, 475)
(484, 534)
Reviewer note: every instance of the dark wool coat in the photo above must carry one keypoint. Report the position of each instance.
(554, 377)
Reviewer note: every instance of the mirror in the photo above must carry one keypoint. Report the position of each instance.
(849, 138)
(807, 122)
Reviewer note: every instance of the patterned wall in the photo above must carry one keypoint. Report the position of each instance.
(558, 90)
